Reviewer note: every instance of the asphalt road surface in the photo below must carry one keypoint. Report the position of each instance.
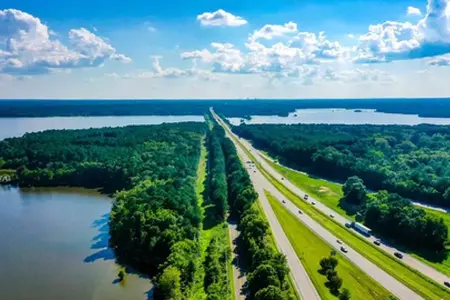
(261, 183)
(407, 259)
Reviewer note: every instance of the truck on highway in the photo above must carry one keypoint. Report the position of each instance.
(361, 228)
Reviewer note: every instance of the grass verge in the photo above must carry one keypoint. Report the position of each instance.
(410, 277)
(272, 243)
(311, 249)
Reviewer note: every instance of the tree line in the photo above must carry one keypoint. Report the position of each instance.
(412, 161)
(155, 218)
(267, 268)
(394, 217)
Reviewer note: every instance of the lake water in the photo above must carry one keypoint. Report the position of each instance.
(54, 245)
(13, 127)
(342, 116)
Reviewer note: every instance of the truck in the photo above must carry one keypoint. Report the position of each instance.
(361, 228)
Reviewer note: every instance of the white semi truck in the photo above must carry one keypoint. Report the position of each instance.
(361, 228)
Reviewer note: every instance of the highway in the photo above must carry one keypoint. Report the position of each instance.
(407, 259)
(302, 283)
(261, 183)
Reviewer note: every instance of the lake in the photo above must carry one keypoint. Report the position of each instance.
(14, 127)
(54, 245)
(342, 116)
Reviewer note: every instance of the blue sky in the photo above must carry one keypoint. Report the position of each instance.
(224, 49)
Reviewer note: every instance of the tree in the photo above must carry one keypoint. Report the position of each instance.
(344, 294)
(263, 276)
(334, 283)
(168, 285)
(269, 293)
(121, 274)
(354, 191)
(328, 264)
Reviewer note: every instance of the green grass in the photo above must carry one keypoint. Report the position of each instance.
(230, 268)
(272, 243)
(444, 265)
(329, 193)
(410, 277)
(311, 249)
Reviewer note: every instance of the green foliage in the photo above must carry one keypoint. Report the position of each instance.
(270, 293)
(168, 286)
(154, 222)
(266, 266)
(344, 294)
(354, 191)
(413, 161)
(397, 218)
(216, 276)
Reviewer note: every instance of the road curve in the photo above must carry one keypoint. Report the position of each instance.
(261, 183)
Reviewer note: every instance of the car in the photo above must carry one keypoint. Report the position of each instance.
(254, 171)
(398, 254)
(339, 241)
(377, 242)
(343, 249)
(348, 225)
(282, 178)
(447, 283)
(284, 202)
(299, 211)
(313, 203)
(332, 216)
(306, 197)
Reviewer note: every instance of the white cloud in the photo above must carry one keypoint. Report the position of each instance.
(26, 47)
(413, 11)
(399, 41)
(268, 31)
(151, 29)
(220, 18)
(351, 36)
(159, 72)
(441, 61)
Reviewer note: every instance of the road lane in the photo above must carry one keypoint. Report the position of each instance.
(407, 259)
(261, 184)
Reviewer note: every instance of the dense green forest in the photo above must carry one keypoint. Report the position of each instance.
(155, 219)
(439, 107)
(267, 269)
(413, 161)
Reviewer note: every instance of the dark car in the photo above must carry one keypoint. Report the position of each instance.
(343, 249)
(284, 201)
(377, 242)
(447, 283)
(299, 211)
(398, 254)
(306, 197)
(348, 225)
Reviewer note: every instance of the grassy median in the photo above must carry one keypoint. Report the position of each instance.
(416, 281)
(311, 249)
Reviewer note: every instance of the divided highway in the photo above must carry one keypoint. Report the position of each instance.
(407, 259)
(261, 183)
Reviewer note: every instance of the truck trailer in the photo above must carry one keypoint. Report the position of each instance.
(361, 228)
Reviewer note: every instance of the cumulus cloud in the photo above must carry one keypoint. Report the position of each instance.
(220, 18)
(268, 31)
(391, 40)
(413, 11)
(27, 47)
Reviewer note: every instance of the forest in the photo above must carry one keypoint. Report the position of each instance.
(151, 172)
(439, 107)
(267, 269)
(412, 161)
